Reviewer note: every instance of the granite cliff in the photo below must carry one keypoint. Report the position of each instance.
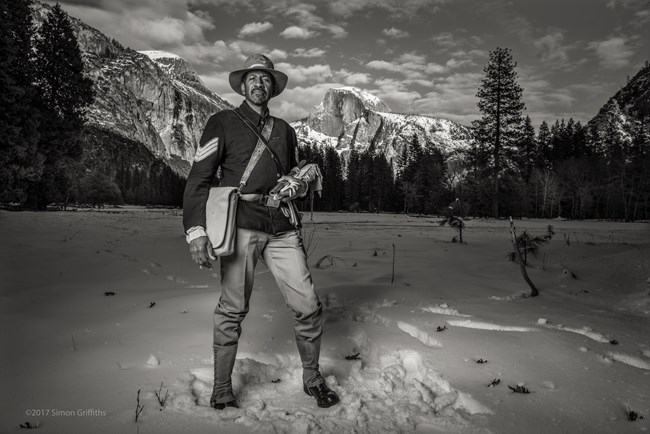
(628, 111)
(150, 98)
(350, 118)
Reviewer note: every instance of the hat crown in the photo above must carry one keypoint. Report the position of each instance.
(258, 61)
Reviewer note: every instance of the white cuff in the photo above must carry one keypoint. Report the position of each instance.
(195, 232)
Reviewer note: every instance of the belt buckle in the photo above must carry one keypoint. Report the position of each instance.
(271, 202)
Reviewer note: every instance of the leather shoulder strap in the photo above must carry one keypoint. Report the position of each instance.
(265, 136)
(257, 152)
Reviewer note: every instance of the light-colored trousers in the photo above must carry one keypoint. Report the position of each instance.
(285, 257)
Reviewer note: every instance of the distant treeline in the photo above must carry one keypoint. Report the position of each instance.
(49, 154)
(567, 172)
(564, 170)
(142, 179)
(44, 95)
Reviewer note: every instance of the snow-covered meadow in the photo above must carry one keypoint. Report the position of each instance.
(98, 305)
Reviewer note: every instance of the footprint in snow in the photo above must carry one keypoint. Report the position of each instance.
(401, 380)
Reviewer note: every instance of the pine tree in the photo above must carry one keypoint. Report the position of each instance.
(501, 105)
(579, 141)
(383, 175)
(366, 181)
(527, 150)
(332, 181)
(640, 169)
(65, 93)
(20, 163)
(558, 137)
(432, 174)
(352, 182)
(543, 146)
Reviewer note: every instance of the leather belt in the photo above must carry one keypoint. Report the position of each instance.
(261, 199)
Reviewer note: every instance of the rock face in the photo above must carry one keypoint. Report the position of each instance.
(153, 98)
(341, 107)
(349, 118)
(626, 110)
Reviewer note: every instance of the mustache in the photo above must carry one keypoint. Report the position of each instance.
(258, 88)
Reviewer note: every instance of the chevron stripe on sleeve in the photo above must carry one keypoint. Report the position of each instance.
(206, 150)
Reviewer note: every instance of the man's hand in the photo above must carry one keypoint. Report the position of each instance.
(288, 188)
(201, 250)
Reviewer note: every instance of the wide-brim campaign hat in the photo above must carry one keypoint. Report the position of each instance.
(258, 62)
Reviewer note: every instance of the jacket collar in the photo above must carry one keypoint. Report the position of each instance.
(253, 116)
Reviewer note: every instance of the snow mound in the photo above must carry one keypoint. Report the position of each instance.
(629, 360)
(488, 326)
(153, 361)
(418, 334)
(271, 399)
(585, 331)
(444, 309)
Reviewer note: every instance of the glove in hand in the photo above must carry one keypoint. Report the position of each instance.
(288, 188)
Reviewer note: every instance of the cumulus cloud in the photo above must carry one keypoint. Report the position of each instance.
(159, 25)
(308, 53)
(396, 33)
(506, 18)
(444, 40)
(413, 66)
(308, 20)
(384, 65)
(353, 78)
(396, 94)
(612, 4)
(452, 97)
(396, 8)
(298, 13)
(227, 54)
(306, 74)
(546, 101)
(276, 54)
(552, 50)
(641, 11)
(218, 83)
(449, 41)
(295, 32)
(613, 53)
(254, 28)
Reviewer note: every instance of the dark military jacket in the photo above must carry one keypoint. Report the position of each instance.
(229, 143)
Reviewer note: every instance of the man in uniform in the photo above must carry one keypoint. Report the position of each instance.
(264, 226)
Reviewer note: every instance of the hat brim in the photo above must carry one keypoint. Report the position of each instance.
(280, 79)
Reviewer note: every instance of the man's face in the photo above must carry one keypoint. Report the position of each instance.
(257, 87)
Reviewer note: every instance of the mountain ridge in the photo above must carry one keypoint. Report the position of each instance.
(160, 103)
(350, 118)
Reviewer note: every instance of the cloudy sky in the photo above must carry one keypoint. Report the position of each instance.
(419, 56)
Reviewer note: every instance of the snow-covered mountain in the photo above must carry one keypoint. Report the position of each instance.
(627, 108)
(350, 118)
(150, 97)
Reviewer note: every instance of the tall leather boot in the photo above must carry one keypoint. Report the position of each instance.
(224, 361)
(309, 355)
(313, 382)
